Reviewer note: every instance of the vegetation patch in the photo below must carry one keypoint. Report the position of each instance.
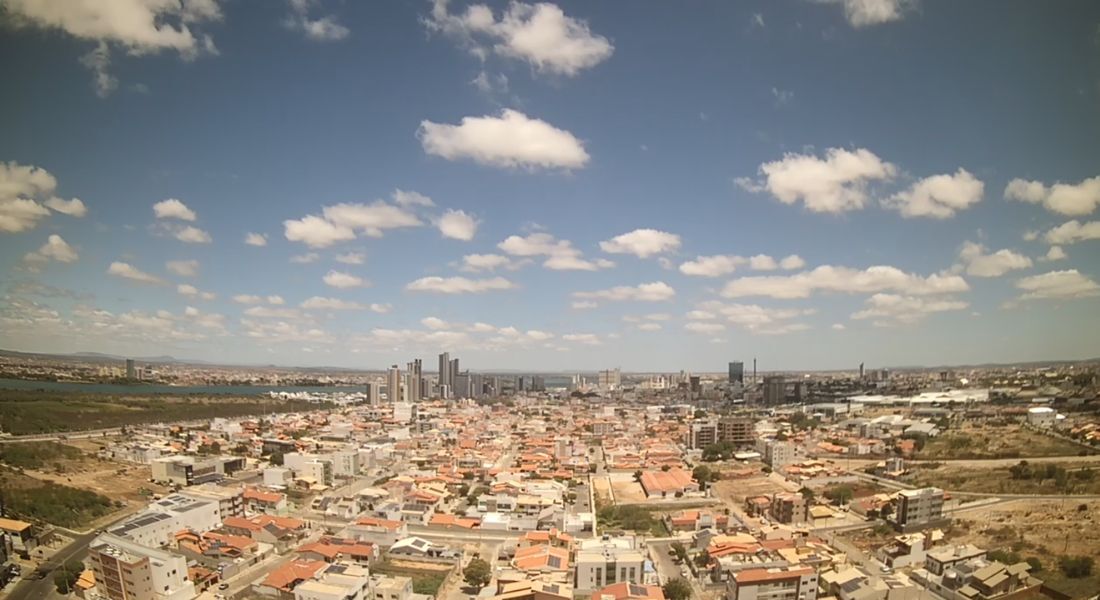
(37, 501)
(36, 455)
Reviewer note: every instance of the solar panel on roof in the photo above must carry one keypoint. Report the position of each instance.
(637, 590)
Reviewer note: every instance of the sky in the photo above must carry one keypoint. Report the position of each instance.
(544, 186)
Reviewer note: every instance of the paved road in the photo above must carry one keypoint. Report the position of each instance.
(30, 589)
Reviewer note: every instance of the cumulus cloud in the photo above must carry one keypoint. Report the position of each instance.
(247, 299)
(792, 262)
(712, 266)
(408, 198)
(657, 291)
(474, 263)
(183, 268)
(589, 339)
(750, 317)
(834, 184)
(339, 279)
(763, 262)
(828, 278)
(979, 263)
(172, 208)
(256, 239)
(1071, 199)
(27, 196)
(510, 140)
(342, 222)
(322, 303)
(55, 249)
(705, 327)
(888, 309)
(192, 235)
(1055, 253)
(938, 196)
(186, 289)
(583, 304)
(864, 13)
(128, 271)
(540, 34)
(642, 243)
(459, 285)
(305, 259)
(1074, 231)
(560, 254)
(98, 61)
(1058, 285)
(457, 225)
(324, 28)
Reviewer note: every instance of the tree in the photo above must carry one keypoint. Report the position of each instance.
(66, 575)
(807, 493)
(276, 458)
(702, 474)
(679, 551)
(677, 589)
(841, 494)
(477, 573)
(1076, 567)
(638, 476)
(1035, 564)
(702, 559)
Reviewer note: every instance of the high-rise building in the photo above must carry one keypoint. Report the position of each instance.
(775, 389)
(414, 381)
(393, 384)
(739, 431)
(131, 372)
(125, 570)
(538, 383)
(374, 393)
(919, 507)
(737, 372)
(444, 374)
(454, 372)
(462, 385)
(611, 378)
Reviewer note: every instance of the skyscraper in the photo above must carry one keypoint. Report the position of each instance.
(737, 372)
(775, 389)
(414, 381)
(374, 393)
(444, 374)
(131, 372)
(393, 384)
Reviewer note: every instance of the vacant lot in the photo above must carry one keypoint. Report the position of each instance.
(627, 491)
(37, 455)
(1008, 441)
(40, 501)
(737, 490)
(426, 577)
(1046, 530)
(34, 412)
(1042, 478)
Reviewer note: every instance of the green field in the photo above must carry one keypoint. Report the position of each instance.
(1044, 478)
(33, 412)
(35, 455)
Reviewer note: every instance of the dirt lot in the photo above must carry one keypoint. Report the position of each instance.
(117, 481)
(1046, 530)
(1078, 480)
(989, 441)
(737, 490)
(628, 491)
(602, 489)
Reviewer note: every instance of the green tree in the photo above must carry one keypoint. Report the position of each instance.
(477, 573)
(1035, 564)
(66, 575)
(276, 458)
(1076, 567)
(841, 494)
(677, 589)
(679, 551)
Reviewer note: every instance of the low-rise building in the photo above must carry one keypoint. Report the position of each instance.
(792, 583)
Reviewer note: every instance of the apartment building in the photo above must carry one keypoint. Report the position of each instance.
(600, 563)
(125, 570)
(191, 470)
(792, 583)
(790, 508)
(739, 431)
(157, 526)
(702, 434)
(230, 499)
(919, 508)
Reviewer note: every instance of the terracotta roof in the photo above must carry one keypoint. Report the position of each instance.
(540, 556)
(626, 590)
(666, 481)
(262, 496)
(384, 523)
(293, 573)
(757, 576)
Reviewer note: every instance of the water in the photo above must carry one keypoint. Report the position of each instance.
(178, 390)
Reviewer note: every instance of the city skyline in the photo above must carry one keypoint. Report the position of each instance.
(541, 187)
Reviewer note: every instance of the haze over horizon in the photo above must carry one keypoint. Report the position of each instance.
(537, 186)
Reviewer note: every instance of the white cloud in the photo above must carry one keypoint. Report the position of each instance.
(642, 243)
(173, 209)
(276, 300)
(1062, 285)
(407, 199)
(712, 266)
(751, 317)
(1031, 235)
(889, 309)
(256, 239)
(372, 219)
(319, 29)
(435, 323)
(322, 303)
(316, 232)
(792, 262)
(763, 262)
(73, 207)
(267, 312)
(583, 304)
(509, 140)
(56, 249)
(649, 326)
(827, 278)
(1073, 231)
(838, 327)
(192, 235)
(834, 184)
(305, 259)
(380, 308)
(782, 97)
(140, 26)
(862, 13)
(186, 289)
(183, 268)
(1055, 253)
(247, 299)
(25, 193)
(459, 285)
(589, 339)
(128, 271)
(474, 263)
(98, 61)
(657, 291)
(1071, 199)
(980, 264)
(938, 196)
(561, 255)
(339, 279)
(351, 258)
(457, 225)
(540, 34)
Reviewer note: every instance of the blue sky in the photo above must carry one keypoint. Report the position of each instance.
(552, 186)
